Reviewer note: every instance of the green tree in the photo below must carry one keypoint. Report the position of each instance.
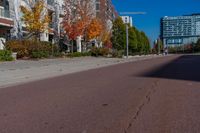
(139, 42)
(119, 34)
(146, 44)
(143, 43)
(158, 46)
(197, 46)
(132, 40)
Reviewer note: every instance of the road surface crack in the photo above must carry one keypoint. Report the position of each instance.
(146, 101)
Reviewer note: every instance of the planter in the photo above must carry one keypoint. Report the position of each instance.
(14, 56)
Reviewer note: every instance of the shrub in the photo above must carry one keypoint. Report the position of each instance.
(31, 48)
(197, 46)
(18, 47)
(99, 51)
(5, 55)
(95, 51)
(173, 49)
(78, 54)
(58, 54)
(103, 51)
(86, 54)
(40, 54)
(135, 53)
(118, 53)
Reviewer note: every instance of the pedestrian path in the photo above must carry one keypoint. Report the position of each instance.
(21, 71)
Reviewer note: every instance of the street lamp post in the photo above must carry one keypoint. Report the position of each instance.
(127, 34)
(127, 41)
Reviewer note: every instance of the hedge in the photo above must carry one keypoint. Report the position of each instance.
(5, 55)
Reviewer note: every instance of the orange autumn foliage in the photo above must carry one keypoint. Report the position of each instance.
(94, 29)
(77, 18)
(73, 29)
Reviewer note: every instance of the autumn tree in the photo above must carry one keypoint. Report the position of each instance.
(94, 29)
(105, 38)
(86, 14)
(78, 15)
(35, 18)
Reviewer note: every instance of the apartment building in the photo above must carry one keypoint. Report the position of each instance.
(6, 18)
(55, 10)
(11, 25)
(106, 12)
(56, 13)
(180, 30)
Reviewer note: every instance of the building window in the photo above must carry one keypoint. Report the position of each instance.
(97, 6)
(97, 14)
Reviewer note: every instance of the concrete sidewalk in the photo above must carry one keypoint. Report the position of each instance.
(21, 71)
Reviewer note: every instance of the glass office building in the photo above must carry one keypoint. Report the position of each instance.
(180, 30)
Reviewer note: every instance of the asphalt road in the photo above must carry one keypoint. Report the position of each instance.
(152, 96)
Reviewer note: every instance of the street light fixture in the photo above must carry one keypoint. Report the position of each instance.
(127, 21)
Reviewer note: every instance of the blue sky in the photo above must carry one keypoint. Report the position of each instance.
(155, 9)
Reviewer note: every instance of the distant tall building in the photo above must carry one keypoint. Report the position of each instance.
(127, 20)
(180, 30)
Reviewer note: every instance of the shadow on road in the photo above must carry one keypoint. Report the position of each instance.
(186, 67)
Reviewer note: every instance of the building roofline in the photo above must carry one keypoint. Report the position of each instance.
(194, 14)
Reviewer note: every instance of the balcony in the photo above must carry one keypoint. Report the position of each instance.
(62, 11)
(5, 18)
(4, 13)
(50, 2)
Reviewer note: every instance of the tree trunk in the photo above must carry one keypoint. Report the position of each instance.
(72, 48)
